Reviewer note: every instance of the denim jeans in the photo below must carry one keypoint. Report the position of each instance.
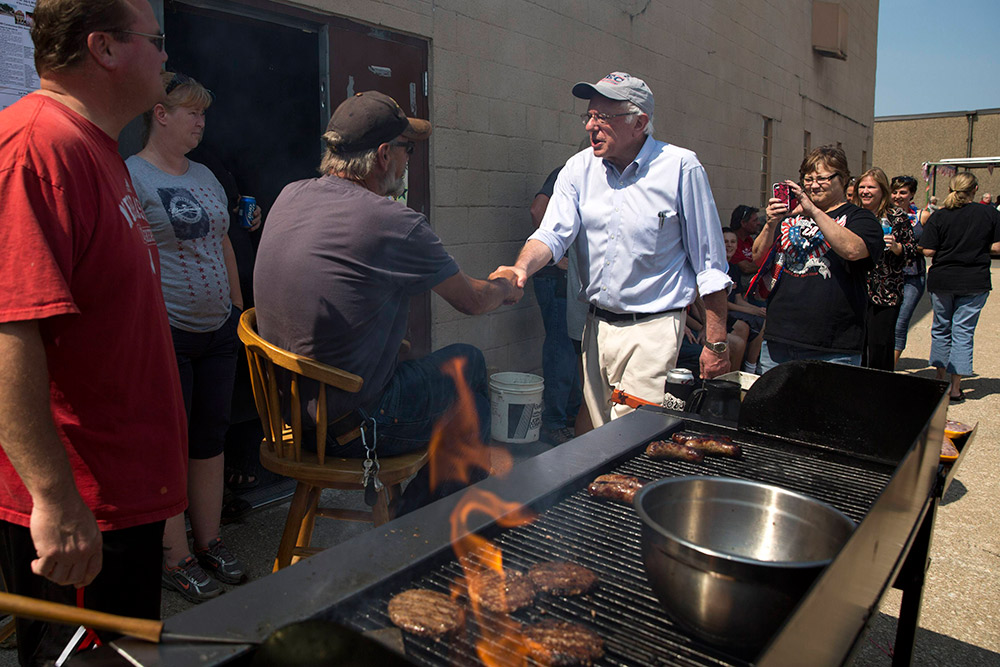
(955, 320)
(415, 399)
(913, 289)
(562, 393)
(773, 353)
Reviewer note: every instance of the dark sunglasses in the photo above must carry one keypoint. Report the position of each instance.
(178, 80)
(904, 180)
(407, 145)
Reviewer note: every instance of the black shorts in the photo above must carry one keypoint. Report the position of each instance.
(207, 364)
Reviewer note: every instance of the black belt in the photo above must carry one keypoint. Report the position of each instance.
(608, 316)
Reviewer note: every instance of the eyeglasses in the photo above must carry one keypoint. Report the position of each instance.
(407, 145)
(159, 40)
(821, 181)
(600, 118)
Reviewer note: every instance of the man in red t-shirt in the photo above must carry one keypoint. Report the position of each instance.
(92, 425)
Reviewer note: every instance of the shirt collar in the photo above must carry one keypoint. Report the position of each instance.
(641, 160)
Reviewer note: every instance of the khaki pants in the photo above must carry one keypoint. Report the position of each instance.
(631, 356)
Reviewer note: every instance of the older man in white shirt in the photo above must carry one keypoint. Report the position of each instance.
(651, 242)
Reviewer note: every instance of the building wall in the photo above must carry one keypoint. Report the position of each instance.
(501, 74)
(903, 143)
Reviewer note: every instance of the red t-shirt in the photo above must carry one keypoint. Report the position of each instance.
(77, 255)
(744, 250)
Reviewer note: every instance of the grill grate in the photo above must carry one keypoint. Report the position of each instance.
(605, 537)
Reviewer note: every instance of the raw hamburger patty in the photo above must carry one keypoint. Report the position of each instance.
(425, 613)
(560, 643)
(562, 578)
(504, 594)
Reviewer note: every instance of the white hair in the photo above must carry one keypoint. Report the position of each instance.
(633, 111)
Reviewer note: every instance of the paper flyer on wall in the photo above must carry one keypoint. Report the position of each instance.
(17, 53)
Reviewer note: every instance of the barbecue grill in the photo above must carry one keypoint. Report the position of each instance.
(866, 442)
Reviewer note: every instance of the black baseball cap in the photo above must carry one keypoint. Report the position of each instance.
(371, 118)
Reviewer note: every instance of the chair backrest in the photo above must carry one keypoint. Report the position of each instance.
(264, 358)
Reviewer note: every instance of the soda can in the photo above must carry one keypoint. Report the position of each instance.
(247, 207)
(679, 385)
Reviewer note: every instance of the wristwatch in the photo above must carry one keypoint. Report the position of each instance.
(719, 348)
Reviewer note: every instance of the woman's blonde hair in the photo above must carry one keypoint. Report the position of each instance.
(961, 190)
(882, 181)
(179, 90)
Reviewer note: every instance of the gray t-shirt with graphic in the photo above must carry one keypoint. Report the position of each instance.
(189, 219)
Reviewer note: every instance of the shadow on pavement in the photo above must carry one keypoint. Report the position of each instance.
(955, 492)
(932, 648)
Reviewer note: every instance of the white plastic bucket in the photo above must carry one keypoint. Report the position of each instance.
(516, 406)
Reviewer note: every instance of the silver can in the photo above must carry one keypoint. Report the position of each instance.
(679, 385)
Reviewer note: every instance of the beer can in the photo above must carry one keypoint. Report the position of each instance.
(679, 385)
(247, 207)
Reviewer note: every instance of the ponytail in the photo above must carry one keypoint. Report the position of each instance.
(961, 190)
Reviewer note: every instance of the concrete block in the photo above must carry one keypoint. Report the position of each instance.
(451, 70)
(451, 223)
(451, 147)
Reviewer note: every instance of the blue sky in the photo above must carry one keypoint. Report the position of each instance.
(937, 55)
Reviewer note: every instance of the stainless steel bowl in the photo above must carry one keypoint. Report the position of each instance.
(729, 559)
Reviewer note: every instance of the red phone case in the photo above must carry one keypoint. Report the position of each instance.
(782, 192)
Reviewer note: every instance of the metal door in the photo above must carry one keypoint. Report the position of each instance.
(364, 58)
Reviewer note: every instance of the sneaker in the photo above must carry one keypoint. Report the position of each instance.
(218, 560)
(557, 436)
(188, 579)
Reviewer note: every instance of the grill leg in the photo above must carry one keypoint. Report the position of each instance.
(911, 581)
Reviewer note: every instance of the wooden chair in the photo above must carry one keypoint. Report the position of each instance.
(281, 449)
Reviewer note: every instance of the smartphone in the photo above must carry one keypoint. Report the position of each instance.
(782, 192)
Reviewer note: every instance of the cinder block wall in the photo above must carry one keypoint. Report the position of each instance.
(501, 73)
(903, 143)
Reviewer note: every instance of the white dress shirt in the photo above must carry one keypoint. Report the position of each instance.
(651, 234)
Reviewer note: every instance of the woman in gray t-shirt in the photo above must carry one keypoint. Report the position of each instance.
(187, 210)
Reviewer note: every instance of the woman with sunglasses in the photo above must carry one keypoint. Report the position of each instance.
(819, 255)
(958, 238)
(885, 280)
(187, 210)
(903, 189)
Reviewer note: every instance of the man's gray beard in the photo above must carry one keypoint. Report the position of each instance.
(394, 187)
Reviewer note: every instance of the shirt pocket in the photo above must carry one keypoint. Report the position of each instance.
(653, 231)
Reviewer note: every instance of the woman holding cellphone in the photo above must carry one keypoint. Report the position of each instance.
(823, 250)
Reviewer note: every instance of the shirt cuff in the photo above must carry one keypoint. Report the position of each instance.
(552, 241)
(713, 280)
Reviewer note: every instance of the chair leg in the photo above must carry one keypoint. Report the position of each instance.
(393, 501)
(308, 522)
(293, 524)
(380, 513)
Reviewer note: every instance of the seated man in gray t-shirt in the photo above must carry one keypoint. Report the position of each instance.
(337, 265)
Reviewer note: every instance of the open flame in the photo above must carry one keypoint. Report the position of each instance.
(497, 645)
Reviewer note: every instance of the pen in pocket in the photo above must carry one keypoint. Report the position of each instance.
(663, 216)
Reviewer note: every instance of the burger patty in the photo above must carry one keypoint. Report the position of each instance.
(425, 613)
(501, 593)
(562, 578)
(559, 643)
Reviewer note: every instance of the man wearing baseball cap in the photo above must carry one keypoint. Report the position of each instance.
(338, 263)
(651, 242)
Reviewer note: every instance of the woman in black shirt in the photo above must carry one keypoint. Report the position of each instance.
(823, 249)
(958, 238)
